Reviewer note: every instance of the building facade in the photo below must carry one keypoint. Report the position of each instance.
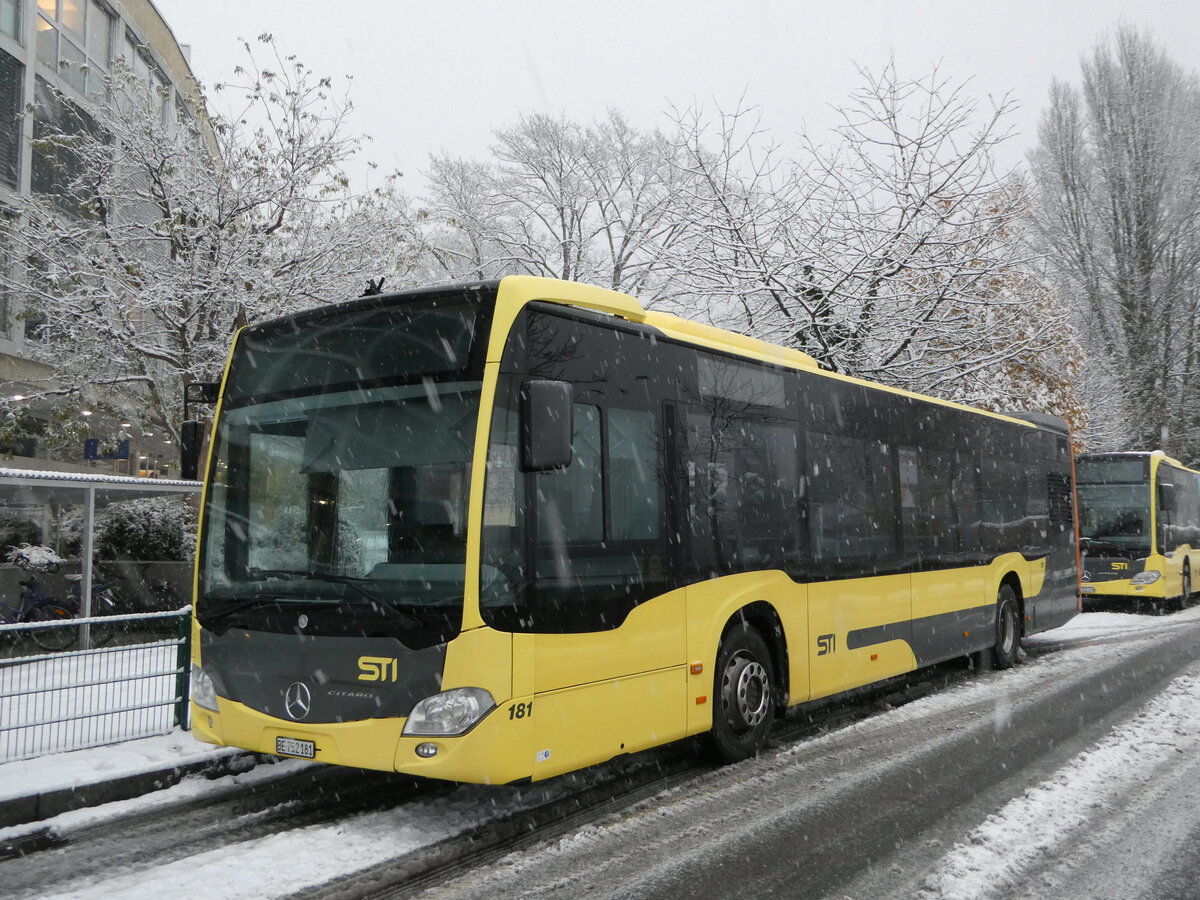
(51, 53)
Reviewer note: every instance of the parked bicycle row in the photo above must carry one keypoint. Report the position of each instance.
(46, 616)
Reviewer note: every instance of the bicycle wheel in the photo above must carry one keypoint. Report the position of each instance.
(54, 639)
(101, 634)
(105, 603)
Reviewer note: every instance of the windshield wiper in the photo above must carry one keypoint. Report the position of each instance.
(286, 574)
(232, 606)
(1098, 542)
(352, 581)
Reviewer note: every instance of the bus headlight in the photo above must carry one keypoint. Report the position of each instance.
(450, 712)
(1148, 577)
(204, 692)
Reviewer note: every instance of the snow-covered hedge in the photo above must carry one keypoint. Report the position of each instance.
(155, 528)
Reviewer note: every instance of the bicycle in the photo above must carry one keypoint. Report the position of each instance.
(104, 603)
(154, 595)
(35, 607)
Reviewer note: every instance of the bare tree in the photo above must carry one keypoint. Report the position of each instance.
(891, 255)
(1118, 172)
(582, 203)
(140, 268)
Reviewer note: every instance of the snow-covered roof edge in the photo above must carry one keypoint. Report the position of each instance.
(82, 480)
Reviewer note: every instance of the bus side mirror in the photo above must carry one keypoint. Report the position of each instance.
(191, 433)
(191, 436)
(1166, 496)
(546, 425)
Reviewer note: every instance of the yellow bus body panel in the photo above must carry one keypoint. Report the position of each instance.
(651, 638)
(839, 607)
(591, 723)
(711, 604)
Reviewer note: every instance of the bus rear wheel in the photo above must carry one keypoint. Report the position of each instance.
(1008, 628)
(743, 697)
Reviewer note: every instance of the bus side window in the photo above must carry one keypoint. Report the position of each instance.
(852, 501)
(634, 475)
(570, 502)
(744, 493)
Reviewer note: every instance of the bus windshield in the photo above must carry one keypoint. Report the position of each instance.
(1114, 504)
(345, 491)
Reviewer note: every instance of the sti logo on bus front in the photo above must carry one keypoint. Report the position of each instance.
(378, 668)
(1120, 565)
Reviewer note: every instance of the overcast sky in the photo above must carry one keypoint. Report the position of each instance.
(432, 76)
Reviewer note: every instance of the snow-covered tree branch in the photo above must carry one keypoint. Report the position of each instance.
(139, 269)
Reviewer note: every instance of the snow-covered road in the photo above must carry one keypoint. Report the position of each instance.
(1071, 775)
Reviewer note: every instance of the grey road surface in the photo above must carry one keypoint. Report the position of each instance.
(871, 810)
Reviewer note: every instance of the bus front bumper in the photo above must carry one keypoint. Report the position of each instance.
(490, 753)
(1122, 589)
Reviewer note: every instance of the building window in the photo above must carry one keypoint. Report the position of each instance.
(99, 33)
(148, 75)
(55, 165)
(71, 15)
(75, 40)
(12, 78)
(6, 306)
(10, 18)
(47, 44)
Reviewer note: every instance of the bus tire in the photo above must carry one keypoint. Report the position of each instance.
(1185, 591)
(743, 705)
(1008, 628)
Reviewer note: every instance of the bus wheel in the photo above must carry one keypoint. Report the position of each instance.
(743, 706)
(1185, 594)
(1008, 628)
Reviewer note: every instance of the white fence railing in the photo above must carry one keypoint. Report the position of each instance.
(137, 687)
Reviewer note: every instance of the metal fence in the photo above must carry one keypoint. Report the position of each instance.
(136, 687)
(119, 606)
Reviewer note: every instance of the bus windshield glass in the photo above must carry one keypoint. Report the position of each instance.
(1114, 504)
(341, 473)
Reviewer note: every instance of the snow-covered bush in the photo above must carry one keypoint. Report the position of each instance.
(157, 528)
(33, 556)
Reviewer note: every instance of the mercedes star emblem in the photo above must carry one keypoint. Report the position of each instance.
(297, 700)
(302, 621)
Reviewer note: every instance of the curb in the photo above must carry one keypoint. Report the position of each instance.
(36, 807)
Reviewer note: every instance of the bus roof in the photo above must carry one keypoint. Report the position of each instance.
(614, 303)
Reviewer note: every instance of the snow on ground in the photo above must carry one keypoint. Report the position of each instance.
(1108, 624)
(60, 771)
(1045, 820)
(277, 865)
(189, 788)
(280, 864)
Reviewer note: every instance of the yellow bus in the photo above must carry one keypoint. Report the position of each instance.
(1139, 526)
(497, 532)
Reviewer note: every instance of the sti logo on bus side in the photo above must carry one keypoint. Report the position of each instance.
(378, 668)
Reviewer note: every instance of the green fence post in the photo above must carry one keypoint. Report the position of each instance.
(183, 665)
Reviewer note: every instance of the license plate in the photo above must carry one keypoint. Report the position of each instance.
(293, 747)
(1088, 589)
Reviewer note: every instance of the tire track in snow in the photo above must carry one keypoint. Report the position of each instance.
(1033, 843)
